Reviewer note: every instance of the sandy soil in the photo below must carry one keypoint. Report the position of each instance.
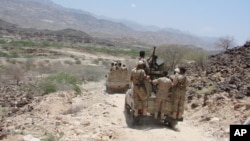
(93, 116)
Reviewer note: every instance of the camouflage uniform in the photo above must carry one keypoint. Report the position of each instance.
(146, 64)
(138, 78)
(164, 85)
(180, 82)
(146, 69)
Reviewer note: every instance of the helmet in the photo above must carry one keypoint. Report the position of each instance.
(177, 70)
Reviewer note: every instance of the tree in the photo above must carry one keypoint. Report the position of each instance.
(200, 58)
(225, 42)
(15, 72)
(172, 55)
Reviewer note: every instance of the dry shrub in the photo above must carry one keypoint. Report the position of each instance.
(15, 72)
(171, 54)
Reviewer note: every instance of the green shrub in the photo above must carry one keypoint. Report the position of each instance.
(68, 62)
(78, 62)
(60, 81)
(2, 41)
(3, 54)
(3, 111)
(50, 137)
(47, 87)
(208, 90)
(14, 55)
(22, 43)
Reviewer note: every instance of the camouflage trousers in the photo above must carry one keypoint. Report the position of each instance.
(148, 88)
(139, 97)
(159, 106)
(178, 103)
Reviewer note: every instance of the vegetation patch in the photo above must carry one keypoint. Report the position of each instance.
(23, 43)
(3, 111)
(207, 90)
(51, 137)
(60, 82)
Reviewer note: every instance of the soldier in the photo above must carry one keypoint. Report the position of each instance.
(164, 84)
(144, 60)
(119, 66)
(138, 78)
(112, 67)
(146, 69)
(180, 83)
(124, 67)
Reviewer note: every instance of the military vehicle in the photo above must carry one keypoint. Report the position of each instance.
(117, 79)
(156, 68)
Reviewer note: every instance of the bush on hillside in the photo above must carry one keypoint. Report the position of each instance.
(60, 82)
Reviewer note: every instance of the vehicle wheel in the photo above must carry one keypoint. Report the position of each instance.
(172, 124)
(126, 108)
(139, 120)
(108, 90)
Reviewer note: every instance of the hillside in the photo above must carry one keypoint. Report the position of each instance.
(47, 15)
(219, 95)
(68, 36)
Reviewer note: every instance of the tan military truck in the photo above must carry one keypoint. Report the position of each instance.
(155, 72)
(117, 79)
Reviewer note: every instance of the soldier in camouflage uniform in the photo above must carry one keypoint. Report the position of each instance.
(146, 69)
(180, 83)
(144, 60)
(138, 78)
(163, 87)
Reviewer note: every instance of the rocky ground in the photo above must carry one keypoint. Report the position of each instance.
(93, 116)
(219, 96)
(216, 98)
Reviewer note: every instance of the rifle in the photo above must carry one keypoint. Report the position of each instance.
(152, 57)
(152, 63)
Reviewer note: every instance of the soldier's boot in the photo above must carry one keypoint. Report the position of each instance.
(162, 116)
(135, 113)
(145, 112)
(180, 116)
(174, 115)
(156, 115)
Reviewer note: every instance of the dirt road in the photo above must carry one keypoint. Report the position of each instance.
(93, 116)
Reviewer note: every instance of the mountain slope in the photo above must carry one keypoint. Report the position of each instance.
(47, 15)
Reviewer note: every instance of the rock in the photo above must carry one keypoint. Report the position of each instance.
(239, 96)
(194, 105)
(248, 91)
(3, 133)
(190, 97)
(217, 98)
(86, 123)
(205, 119)
(238, 105)
(214, 119)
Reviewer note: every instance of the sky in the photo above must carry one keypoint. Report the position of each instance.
(212, 18)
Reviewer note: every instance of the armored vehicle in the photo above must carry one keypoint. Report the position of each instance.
(117, 79)
(156, 68)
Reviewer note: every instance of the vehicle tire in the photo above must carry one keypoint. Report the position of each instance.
(140, 121)
(108, 90)
(126, 108)
(172, 124)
